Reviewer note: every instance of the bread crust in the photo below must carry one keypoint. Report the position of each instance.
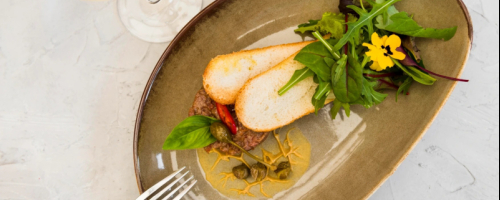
(227, 95)
(246, 93)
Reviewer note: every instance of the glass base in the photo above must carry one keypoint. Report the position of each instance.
(158, 22)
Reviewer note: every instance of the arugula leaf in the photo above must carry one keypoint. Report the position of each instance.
(338, 69)
(332, 23)
(365, 20)
(192, 133)
(416, 74)
(405, 87)
(319, 103)
(370, 96)
(297, 77)
(402, 24)
(323, 89)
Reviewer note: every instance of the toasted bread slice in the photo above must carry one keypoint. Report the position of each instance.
(225, 75)
(260, 108)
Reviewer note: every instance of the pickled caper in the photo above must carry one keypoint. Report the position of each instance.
(241, 171)
(221, 132)
(259, 171)
(284, 170)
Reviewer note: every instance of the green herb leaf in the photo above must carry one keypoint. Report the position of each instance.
(365, 20)
(313, 56)
(337, 105)
(347, 109)
(402, 24)
(385, 19)
(333, 23)
(323, 89)
(338, 69)
(370, 96)
(311, 23)
(319, 103)
(405, 87)
(348, 88)
(192, 133)
(297, 77)
(416, 74)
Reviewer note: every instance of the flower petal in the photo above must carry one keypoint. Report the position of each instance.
(376, 40)
(374, 54)
(394, 42)
(375, 66)
(398, 55)
(385, 62)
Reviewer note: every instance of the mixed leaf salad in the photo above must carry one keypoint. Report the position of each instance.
(366, 49)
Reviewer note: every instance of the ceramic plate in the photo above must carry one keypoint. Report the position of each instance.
(351, 157)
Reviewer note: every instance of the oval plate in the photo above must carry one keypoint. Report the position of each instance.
(352, 156)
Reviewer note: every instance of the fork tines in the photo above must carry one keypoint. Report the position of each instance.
(153, 193)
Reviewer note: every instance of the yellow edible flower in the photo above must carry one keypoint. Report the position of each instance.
(382, 50)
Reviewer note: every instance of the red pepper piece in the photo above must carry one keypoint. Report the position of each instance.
(227, 118)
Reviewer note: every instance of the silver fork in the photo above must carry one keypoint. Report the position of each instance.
(148, 194)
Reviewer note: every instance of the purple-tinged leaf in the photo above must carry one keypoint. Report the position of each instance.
(408, 61)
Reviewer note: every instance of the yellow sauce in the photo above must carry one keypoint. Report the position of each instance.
(292, 147)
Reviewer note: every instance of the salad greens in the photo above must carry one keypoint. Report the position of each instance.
(332, 23)
(401, 23)
(345, 66)
(192, 133)
(365, 21)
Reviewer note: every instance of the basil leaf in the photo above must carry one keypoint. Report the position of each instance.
(416, 74)
(192, 133)
(404, 25)
(297, 77)
(405, 87)
(365, 20)
(319, 103)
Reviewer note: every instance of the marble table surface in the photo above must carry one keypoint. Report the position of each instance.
(71, 78)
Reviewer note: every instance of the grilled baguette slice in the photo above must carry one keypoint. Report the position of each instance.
(261, 109)
(225, 75)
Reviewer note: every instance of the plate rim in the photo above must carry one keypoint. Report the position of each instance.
(215, 4)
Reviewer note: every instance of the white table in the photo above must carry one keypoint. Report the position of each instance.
(71, 78)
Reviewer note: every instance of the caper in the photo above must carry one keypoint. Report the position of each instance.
(221, 132)
(284, 170)
(259, 171)
(241, 171)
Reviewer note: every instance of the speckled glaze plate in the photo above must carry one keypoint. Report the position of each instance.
(351, 157)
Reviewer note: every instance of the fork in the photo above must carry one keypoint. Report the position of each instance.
(153, 195)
